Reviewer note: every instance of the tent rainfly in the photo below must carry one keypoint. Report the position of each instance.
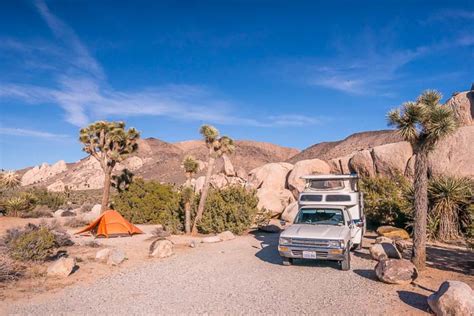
(111, 224)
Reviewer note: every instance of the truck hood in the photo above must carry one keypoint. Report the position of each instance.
(315, 231)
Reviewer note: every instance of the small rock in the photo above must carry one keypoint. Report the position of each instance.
(404, 247)
(383, 239)
(227, 235)
(211, 239)
(396, 271)
(384, 251)
(103, 255)
(271, 228)
(452, 298)
(116, 257)
(161, 248)
(393, 232)
(93, 214)
(62, 267)
(193, 244)
(58, 213)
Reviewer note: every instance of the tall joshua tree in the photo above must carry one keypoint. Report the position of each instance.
(109, 143)
(191, 167)
(217, 147)
(422, 123)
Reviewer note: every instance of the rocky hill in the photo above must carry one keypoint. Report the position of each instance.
(155, 159)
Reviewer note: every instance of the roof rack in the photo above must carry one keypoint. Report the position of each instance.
(331, 176)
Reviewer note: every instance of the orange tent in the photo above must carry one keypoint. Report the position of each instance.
(111, 223)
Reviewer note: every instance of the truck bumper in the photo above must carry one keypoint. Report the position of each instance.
(335, 254)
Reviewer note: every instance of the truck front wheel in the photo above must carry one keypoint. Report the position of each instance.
(287, 261)
(346, 263)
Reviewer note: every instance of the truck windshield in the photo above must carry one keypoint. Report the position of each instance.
(320, 216)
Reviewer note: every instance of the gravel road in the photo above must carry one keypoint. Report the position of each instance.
(242, 276)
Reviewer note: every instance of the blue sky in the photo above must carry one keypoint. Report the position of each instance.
(289, 72)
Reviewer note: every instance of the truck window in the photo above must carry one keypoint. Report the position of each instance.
(320, 216)
(326, 184)
(311, 198)
(338, 198)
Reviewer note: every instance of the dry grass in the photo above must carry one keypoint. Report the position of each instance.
(75, 222)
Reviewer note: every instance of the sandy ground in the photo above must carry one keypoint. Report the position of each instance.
(242, 276)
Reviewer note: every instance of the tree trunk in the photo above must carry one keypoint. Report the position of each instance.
(421, 210)
(106, 192)
(205, 189)
(187, 208)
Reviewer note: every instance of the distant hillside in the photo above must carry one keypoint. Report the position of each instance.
(354, 142)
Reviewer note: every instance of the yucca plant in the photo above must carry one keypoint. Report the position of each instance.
(422, 123)
(15, 205)
(217, 147)
(9, 180)
(109, 143)
(449, 201)
(191, 167)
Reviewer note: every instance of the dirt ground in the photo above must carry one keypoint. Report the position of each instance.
(445, 263)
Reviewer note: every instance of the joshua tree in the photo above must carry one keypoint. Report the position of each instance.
(109, 143)
(191, 167)
(217, 147)
(422, 123)
(9, 180)
(122, 182)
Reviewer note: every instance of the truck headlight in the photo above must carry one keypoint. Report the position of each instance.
(284, 241)
(336, 244)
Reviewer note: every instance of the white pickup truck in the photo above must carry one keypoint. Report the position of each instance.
(330, 221)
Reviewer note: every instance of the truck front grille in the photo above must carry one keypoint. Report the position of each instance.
(309, 242)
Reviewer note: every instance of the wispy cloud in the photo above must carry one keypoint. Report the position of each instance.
(30, 133)
(450, 15)
(79, 86)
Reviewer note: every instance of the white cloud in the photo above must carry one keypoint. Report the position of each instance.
(30, 133)
(80, 88)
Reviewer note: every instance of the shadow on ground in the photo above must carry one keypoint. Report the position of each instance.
(449, 259)
(413, 299)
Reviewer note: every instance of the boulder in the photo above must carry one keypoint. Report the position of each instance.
(116, 257)
(462, 105)
(404, 247)
(270, 228)
(393, 232)
(270, 176)
(219, 181)
(340, 165)
(303, 168)
(384, 251)
(132, 163)
(227, 235)
(457, 154)
(103, 255)
(62, 267)
(58, 213)
(362, 163)
(396, 271)
(290, 212)
(391, 159)
(93, 214)
(242, 174)
(211, 239)
(452, 298)
(199, 184)
(274, 200)
(43, 172)
(410, 168)
(161, 249)
(382, 239)
(228, 168)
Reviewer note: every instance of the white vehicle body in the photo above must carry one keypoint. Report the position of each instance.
(337, 196)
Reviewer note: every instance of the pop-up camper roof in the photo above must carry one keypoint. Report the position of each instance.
(331, 177)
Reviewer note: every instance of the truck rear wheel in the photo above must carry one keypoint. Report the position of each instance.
(346, 263)
(287, 261)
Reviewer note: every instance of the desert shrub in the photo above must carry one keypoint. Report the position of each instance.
(386, 201)
(53, 200)
(16, 205)
(9, 269)
(450, 210)
(233, 208)
(35, 243)
(38, 212)
(75, 222)
(150, 202)
(263, 217)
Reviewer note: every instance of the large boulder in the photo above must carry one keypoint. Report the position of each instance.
(199, 184)
(384, 251)
(161, 248)
(391, 159)
(463, 107)
(228, 168)
(340, 165)
(452, 298)
(396, 271)
(454, 155)
(270, 176)
(274, 200)
(362, 163)
(62, 267)
(393, 232)
(304, 168)
(116, 257)
(290, 212)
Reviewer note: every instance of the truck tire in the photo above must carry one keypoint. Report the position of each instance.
(346, 263)
(287, 261)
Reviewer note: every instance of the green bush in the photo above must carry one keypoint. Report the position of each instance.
(150, 202)
(232, 208)
(35, 243)
(53, 200)
(386, 201)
